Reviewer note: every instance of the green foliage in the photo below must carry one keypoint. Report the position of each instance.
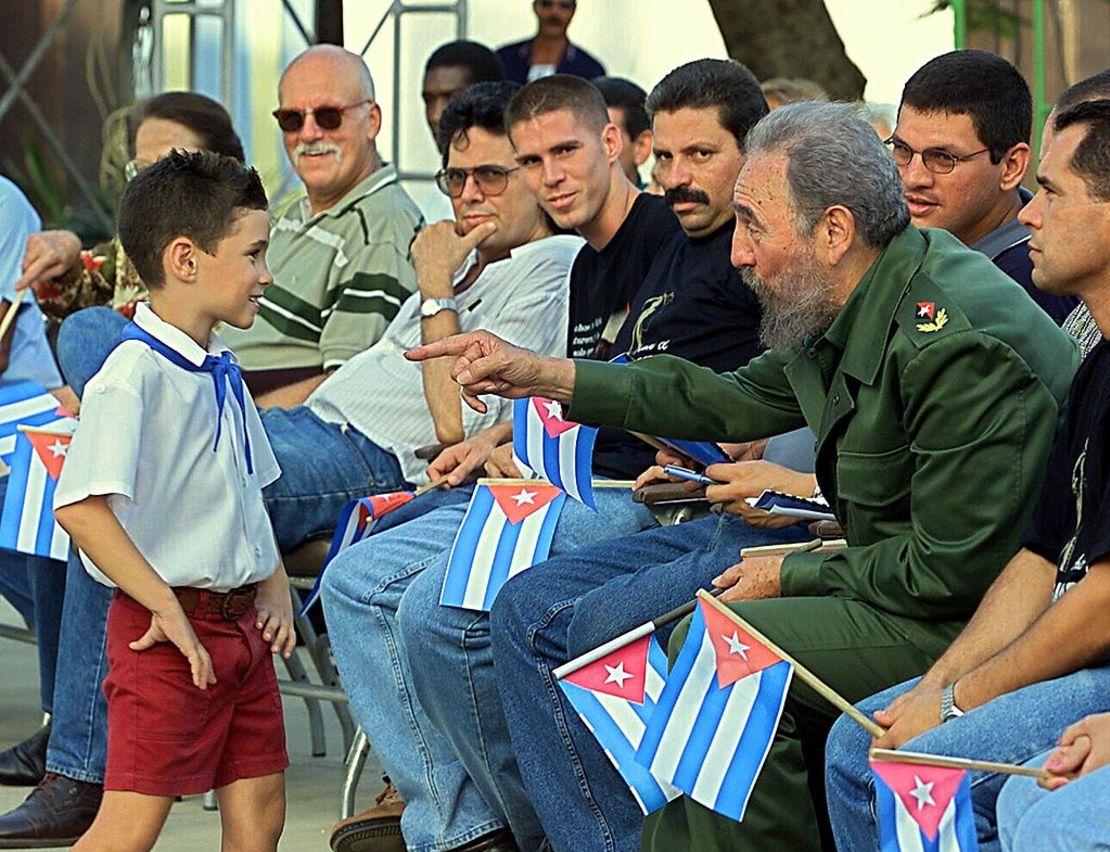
(985, 16)
(42, 178)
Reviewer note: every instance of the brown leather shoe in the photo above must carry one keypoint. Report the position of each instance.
(375, 830)
(58, 811)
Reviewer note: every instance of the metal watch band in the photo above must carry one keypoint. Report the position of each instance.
(948, 708)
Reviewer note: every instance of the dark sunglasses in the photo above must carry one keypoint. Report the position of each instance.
(327, 117)
(491, 180)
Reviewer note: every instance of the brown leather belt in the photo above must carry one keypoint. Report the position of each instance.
(231, 606)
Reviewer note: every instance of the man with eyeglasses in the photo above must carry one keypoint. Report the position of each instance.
(549, 51)
(1034, 655)
(340, 257)
(962, 147)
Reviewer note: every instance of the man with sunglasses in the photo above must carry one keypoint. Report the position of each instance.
(549, 51)
(340, 257)
(962, 147)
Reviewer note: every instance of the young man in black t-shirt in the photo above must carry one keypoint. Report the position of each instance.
(1034, 655)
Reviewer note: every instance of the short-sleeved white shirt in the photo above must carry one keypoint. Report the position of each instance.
(145, 439)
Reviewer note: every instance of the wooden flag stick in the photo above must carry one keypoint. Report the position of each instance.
(824, 690)
(9, 316)
(597, 483)
(430, 486)
(675, 614)
(921, 759)
(650, 441)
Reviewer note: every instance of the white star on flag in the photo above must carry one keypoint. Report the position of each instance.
(922, 792)
(58, 448)
(525, 496)
(735, 646)
(617, 674)
(554, 410)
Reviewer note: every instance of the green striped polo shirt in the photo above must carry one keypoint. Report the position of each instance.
(339, 278)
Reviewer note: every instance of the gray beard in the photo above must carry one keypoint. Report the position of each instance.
(802, 305)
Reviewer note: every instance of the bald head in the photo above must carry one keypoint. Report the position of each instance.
(339, 61)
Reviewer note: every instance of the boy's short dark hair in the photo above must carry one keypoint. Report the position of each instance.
(1091, 159)
(197, 195)
(481, 105)
(200, 114)
(629, 98)
(721, 84)
(481, 64)
(978, 84)
(553, 94)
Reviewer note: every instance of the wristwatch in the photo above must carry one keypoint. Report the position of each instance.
(948, 708)
(430, 307)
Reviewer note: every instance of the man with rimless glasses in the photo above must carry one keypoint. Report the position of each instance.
(961, 146)
(340, 257)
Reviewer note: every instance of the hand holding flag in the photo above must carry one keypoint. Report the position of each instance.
(487, 364)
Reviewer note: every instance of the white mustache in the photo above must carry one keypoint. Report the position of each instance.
(316, 148)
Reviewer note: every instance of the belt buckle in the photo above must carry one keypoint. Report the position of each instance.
(235, 604)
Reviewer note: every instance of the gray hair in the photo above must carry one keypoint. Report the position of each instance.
(834, 158)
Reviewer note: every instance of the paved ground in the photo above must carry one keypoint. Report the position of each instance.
(312, 783)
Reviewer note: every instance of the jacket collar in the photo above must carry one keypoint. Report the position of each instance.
(873, 304)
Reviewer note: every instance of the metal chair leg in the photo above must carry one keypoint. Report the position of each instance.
(356, 760)
(297, 672)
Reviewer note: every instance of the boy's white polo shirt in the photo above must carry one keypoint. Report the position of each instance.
(145, 439)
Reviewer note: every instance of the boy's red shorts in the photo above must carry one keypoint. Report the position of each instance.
(166, 737)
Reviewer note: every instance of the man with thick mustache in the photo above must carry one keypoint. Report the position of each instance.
(934, 408)
(340, 257)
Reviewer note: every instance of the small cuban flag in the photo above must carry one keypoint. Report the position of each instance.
(356, 521)
(923, 808)
(614, 696)
(717, 715)
(555, 449)
(26, 404)
(507, 528)
(27, 523)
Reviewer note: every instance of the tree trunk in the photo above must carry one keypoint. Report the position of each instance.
(789, 38)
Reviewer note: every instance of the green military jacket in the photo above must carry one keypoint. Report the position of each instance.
(935, 396)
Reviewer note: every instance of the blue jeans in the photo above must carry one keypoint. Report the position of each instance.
(35, 586)
(567, 606)
(323, 467)
(1012, 728)
(420, 675)
(84, 340)
(1070, 819)
(79, 736)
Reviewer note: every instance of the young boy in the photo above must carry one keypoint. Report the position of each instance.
(162, 494)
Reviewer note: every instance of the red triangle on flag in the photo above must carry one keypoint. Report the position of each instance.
(51, 450)
(383, 504)
(924, 790)
(738, 653)
(520, 501)
(551, 416)
(620, 673)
